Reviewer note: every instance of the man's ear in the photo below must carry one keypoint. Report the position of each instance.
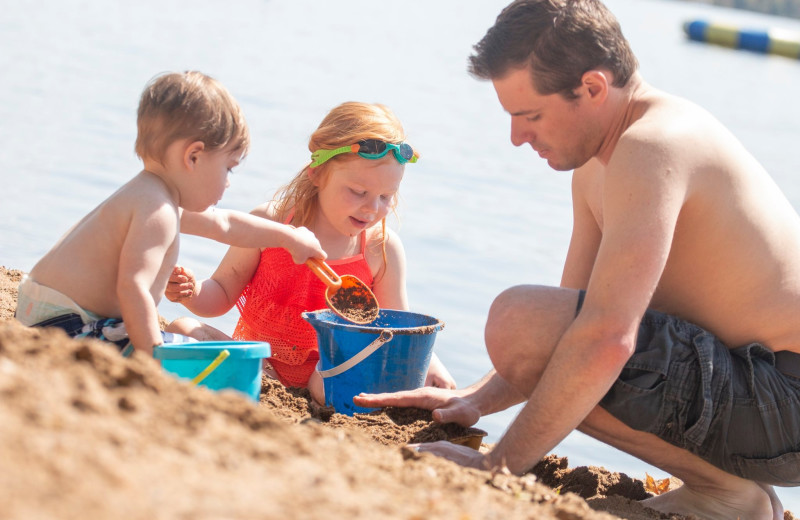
(192, 153)
(595, 83)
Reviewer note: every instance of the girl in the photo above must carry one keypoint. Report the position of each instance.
(343, 195)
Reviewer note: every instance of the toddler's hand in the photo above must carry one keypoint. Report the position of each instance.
(303, 245)
(180, 286)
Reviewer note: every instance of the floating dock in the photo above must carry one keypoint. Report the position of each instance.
(773, 41)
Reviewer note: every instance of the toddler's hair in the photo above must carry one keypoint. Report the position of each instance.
(188, 105)
(344, 125)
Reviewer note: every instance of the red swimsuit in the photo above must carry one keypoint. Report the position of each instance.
(272, 301)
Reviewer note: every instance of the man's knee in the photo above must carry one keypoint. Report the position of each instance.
(527, 321)
(507, 309)
(509, 323)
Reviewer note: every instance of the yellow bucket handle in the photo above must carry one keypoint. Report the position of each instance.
(213, 366)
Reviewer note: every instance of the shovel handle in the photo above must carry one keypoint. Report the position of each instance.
(324, 272)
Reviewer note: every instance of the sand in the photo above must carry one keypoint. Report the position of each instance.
(88, 434)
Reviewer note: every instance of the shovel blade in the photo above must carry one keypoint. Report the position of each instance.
(353, 301)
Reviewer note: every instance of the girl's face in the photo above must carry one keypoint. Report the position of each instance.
(359, 192)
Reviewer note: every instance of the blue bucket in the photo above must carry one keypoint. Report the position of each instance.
(389, 354)
(241, 370)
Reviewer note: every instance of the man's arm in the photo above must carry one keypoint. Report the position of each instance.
(461, 406)
(586, 234)
(642, 198)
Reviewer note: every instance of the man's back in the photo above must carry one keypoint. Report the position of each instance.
(734, 262)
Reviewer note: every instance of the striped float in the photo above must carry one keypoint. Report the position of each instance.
(770, 41)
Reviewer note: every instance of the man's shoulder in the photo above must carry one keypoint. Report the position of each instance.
(668, 121)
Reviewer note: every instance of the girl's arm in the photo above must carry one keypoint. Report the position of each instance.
(390, 278)
(216, 295)
(390, 290)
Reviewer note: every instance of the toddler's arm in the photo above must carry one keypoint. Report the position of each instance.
(151, 233)
(240, 229)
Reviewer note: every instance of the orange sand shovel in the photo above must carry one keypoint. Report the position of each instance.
(346, 295)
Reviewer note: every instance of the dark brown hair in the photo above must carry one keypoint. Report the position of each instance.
(559, 40)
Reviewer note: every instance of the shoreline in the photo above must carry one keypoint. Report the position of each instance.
(786, 8)
(89, 434)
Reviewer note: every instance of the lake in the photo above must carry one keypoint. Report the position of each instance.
(476, 214)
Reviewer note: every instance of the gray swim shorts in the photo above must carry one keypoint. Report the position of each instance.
(738, 409)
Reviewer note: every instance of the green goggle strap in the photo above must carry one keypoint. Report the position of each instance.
(320, 156)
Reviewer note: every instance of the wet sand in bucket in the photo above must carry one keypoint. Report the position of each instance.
(354, 301)
(346, 295)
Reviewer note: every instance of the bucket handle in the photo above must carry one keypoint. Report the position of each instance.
(385, 337)
(211, 367)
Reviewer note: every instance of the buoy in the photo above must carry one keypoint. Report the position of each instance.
(773, 41)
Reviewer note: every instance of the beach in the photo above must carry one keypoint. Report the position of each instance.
(89, 434)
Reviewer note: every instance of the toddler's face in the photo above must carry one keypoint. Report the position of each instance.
(359, 192)
(213, 170)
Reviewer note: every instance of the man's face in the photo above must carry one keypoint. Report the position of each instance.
(556, 128)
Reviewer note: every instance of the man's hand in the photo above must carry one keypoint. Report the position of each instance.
(181, 284)
(462, 455)
(447, 405)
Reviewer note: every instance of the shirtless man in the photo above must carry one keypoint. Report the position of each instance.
(675, 331)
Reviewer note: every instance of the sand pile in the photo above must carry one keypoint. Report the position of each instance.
(88, 434)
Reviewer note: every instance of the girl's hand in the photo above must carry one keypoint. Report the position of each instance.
(181, 284)
(438, 375)
(302, 245)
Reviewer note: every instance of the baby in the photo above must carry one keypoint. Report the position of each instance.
(105, 276)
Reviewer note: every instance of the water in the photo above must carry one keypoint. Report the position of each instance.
(477, 215)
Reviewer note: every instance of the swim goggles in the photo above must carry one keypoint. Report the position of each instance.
(368, 149)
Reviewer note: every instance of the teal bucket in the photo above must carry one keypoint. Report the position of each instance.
(389, 354)
(241, 370)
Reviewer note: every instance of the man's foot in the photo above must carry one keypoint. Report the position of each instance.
(748, 501)
(777, 507)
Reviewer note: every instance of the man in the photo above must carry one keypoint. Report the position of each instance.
(675, 332)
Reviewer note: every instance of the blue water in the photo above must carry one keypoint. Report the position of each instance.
(477, 215)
